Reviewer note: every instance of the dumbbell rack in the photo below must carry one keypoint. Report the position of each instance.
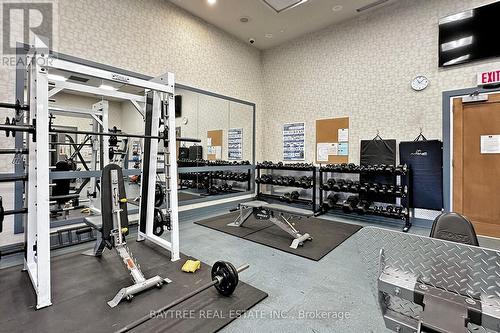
(402, 179)
(263, 196)
(212, 178)
(248, 180)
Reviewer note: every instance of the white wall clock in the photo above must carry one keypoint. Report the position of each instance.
(420, 83)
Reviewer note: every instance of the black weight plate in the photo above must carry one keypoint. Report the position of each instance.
(229, 277)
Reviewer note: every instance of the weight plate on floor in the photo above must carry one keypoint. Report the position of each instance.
(228, 277)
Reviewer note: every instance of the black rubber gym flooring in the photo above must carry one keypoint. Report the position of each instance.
(327, 235)
(82, 285)
(183, 196)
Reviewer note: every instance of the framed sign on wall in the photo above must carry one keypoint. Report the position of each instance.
(235, 143)
(294, 142)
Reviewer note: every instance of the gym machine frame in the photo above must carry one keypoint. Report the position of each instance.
(159, 101)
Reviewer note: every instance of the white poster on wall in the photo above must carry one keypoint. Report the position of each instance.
(294, 142)
(324, 150)
(490, 144)
(343, 135)
(235, 143)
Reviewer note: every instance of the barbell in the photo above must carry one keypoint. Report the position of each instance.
(224, 279)
(11, 128)
(4, 213)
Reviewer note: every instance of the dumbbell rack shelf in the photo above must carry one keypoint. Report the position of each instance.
(210, 181)
(404, 182)
(248, 180)
(263, 196)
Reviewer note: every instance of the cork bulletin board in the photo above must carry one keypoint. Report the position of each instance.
(214, 145)
(332, 140)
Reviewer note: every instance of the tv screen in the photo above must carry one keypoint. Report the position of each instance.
(469, 36)
(178, 106)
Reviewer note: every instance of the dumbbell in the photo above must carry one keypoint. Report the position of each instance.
(351, 167)
(355, 187)
(305, 182)
(383, 189)
(290, 197)
(389, 210)
(337, 187)
(330, 202)
(390, 168)
(401, 169)
(399, 191)
(362, 207)
(373, 188)
(347, 185)
(328, 186)
(350, 204)
(363, 188)
(380, 168)
(213, 190)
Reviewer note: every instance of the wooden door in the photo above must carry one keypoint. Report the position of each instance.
(476, 173)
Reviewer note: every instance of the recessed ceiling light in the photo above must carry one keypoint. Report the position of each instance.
(106, 87)
(244, 19)
(212, 2)
(55, 77)
(337, 8)
(269, 36)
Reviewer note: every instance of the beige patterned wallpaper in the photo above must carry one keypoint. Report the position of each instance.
(146, 36)
(362, 69)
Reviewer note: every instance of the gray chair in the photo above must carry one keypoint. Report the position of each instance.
(455, 228)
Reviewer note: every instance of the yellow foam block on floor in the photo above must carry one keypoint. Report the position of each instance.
(191, 266)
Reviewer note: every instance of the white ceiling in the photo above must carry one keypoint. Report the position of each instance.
(310, 16)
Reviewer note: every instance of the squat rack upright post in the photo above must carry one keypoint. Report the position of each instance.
(158, 101)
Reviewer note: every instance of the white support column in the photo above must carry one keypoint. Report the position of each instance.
(155, 123)
(103, 106)
(38, 224)
(172, 181)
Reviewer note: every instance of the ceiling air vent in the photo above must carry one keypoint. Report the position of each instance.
(280, 6)
(78, 79)
(371, 5)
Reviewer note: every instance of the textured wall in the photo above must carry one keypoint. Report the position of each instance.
(362, 69)
(149, 37)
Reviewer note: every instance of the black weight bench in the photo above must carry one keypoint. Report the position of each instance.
(279, 215)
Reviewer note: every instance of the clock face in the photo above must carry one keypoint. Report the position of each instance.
(419, 83)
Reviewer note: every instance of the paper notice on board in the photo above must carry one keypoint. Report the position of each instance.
(218, 152)
(490, 144)
(324, 150)
(209, 142)
(343, 149)
(343, 135)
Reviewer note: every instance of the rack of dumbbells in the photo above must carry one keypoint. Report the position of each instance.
(296, 182)
(220, 181)
(214, 182)
(341, 190)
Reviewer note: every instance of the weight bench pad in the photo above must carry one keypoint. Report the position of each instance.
(254, 204)
(94, 222)
(290, 210)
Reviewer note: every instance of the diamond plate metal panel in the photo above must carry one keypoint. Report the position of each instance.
(463, 269)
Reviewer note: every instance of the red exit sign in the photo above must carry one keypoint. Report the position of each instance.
(488, 78)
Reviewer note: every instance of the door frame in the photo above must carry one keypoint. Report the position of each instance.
(448, 97)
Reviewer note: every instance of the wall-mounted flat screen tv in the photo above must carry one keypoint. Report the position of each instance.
(470, 36)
